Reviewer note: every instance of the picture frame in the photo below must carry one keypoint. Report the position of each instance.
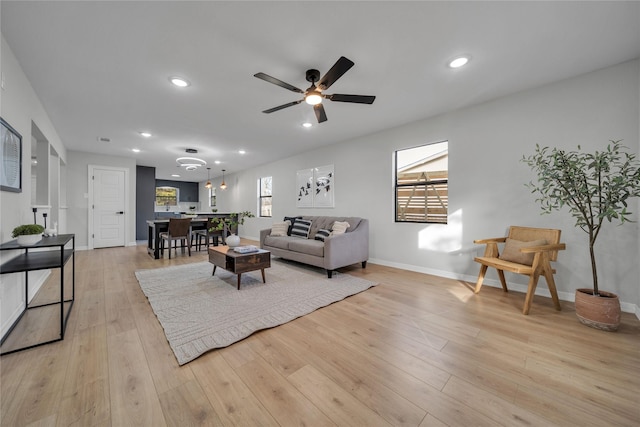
(10, 158)
(324, 186)
(304, 188)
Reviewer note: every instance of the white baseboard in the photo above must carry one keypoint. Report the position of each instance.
(626, 307)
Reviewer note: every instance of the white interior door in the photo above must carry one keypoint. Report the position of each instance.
(108, 208)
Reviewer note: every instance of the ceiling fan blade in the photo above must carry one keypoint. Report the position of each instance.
(320, 114)
(277, 82)
(360, 99)
(280, 107)
(341, 66)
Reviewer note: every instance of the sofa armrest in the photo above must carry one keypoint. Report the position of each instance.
(348, 248)
(263, 235)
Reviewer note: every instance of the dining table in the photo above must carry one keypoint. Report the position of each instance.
(157, 226)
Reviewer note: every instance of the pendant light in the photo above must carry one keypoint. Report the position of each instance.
(208, 184)
(223, 186)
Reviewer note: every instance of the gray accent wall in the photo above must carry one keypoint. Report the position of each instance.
(145, 199)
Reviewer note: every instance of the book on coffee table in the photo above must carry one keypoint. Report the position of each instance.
(245, 249)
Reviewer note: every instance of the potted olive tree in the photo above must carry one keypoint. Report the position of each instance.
(230, 223)
(594, 187)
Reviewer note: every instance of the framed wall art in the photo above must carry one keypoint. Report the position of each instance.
(323, 186)
(10, 158)
(304, 188)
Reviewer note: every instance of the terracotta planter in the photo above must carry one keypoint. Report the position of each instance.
(600, 312)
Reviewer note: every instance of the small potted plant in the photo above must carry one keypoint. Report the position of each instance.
(231, 223)
(594, 187)
(28, 234)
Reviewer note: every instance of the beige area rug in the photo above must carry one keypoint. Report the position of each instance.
(200, 312)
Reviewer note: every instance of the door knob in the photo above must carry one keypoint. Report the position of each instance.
(120, 212)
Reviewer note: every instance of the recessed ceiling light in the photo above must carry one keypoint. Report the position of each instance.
(217, 162)
(241, 151)
(175, 175)
(135, 150)
(145, 134)
(306, 125)
(459, 61)
(179, 81)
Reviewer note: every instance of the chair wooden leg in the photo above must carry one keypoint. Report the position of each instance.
(548, 275)
(531, 290)
(483, 270)
(503, 281)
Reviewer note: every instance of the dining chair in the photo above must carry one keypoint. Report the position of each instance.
(209, 234)
(179, 230)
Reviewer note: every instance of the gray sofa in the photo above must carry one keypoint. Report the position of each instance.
(336, 251)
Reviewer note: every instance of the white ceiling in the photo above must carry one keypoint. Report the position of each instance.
(101, 69)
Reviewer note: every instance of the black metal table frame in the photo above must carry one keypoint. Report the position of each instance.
(42, 260)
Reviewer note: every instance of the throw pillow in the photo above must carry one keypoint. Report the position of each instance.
(301, 228)
(280, 228)
(511, 251)
(292, 219)
(322, 234)
(339, 227)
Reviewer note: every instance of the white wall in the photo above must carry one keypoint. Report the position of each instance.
(20, 106)
(78, 193)
(486, 179)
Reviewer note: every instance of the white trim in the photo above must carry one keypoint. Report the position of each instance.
(626, 307)
(128, 209)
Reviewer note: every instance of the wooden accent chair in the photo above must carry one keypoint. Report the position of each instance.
(179, 230)
(208, 236)
(527, 251)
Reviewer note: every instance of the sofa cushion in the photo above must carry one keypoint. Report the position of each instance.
(292, 220)
(339, 227)
(322, 234)
(307, 246)
(326, 222)
(301, 228)
(280, 228)
(277, 242)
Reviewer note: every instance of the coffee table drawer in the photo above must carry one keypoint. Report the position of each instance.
(250, 262)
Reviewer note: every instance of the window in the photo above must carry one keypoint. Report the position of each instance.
(422, 183)
(264, 196)
(212, 197)
(166, 196)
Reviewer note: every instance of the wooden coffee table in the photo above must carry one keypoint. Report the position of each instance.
(237, 263)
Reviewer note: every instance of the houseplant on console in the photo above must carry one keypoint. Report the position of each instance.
(229, 223)
(594, 187)
(28, 234)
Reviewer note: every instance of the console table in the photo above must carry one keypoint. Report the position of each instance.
(32, 260)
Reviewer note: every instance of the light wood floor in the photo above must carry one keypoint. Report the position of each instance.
(417, 350)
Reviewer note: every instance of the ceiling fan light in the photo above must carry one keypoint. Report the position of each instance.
(313, 99)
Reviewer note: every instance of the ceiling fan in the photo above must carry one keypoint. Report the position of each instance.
(313, 95)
